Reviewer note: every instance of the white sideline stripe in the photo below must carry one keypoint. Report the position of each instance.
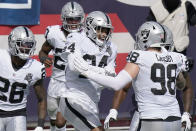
(124, 42)
(16, 6)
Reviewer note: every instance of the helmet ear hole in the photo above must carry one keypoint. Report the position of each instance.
(145, 46)
(18, 43)
(163, 40)
(145, 41)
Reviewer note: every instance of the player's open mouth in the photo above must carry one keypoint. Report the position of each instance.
(102, 39)
(74, 26)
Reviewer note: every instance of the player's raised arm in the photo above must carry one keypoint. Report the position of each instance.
(46, 48)
(121, 80)
(43, 54)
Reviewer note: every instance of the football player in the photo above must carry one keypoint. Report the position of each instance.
(72, 16)
(19, 72)
(167, 12)
(153, 72)
(79, 104)
(120, 95)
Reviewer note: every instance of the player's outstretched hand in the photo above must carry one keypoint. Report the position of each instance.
(39, 129)
(110, 71)
(111, 117)
(47, 61)
(185, 120)
(190, 62)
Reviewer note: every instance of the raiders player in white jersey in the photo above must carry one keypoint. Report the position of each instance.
(153, 72)
(19, 72)
(120, 95)
(72, 17)
(79, 104)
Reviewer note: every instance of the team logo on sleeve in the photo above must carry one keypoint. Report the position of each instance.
(29, 77)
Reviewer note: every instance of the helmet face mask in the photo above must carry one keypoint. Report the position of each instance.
(21, 42)
(25, 49)
(103, 34)
(98, 27)
(72, 16)
(150, 34)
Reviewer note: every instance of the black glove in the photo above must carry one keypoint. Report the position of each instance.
(190, 63)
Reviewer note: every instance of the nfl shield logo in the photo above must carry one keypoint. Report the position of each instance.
(29, 77)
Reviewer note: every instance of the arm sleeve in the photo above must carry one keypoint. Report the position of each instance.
(116, 83)
(107, 70)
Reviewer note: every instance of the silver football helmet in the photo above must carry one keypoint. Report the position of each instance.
(21, 42)
(150, 34)
(98, 21)
(72, 16)
(169, 43)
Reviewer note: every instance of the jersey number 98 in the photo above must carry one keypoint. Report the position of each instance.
(161, 78)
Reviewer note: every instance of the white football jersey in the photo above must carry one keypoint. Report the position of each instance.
(154, 85)
(14, 85)
(57, 39)
(78, 85)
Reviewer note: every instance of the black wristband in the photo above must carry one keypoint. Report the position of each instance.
(41, 122)
(43, 58)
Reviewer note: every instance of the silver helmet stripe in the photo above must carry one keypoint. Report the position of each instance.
(164, 38)
(108, 21)
(72, 5)
(27, 33)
